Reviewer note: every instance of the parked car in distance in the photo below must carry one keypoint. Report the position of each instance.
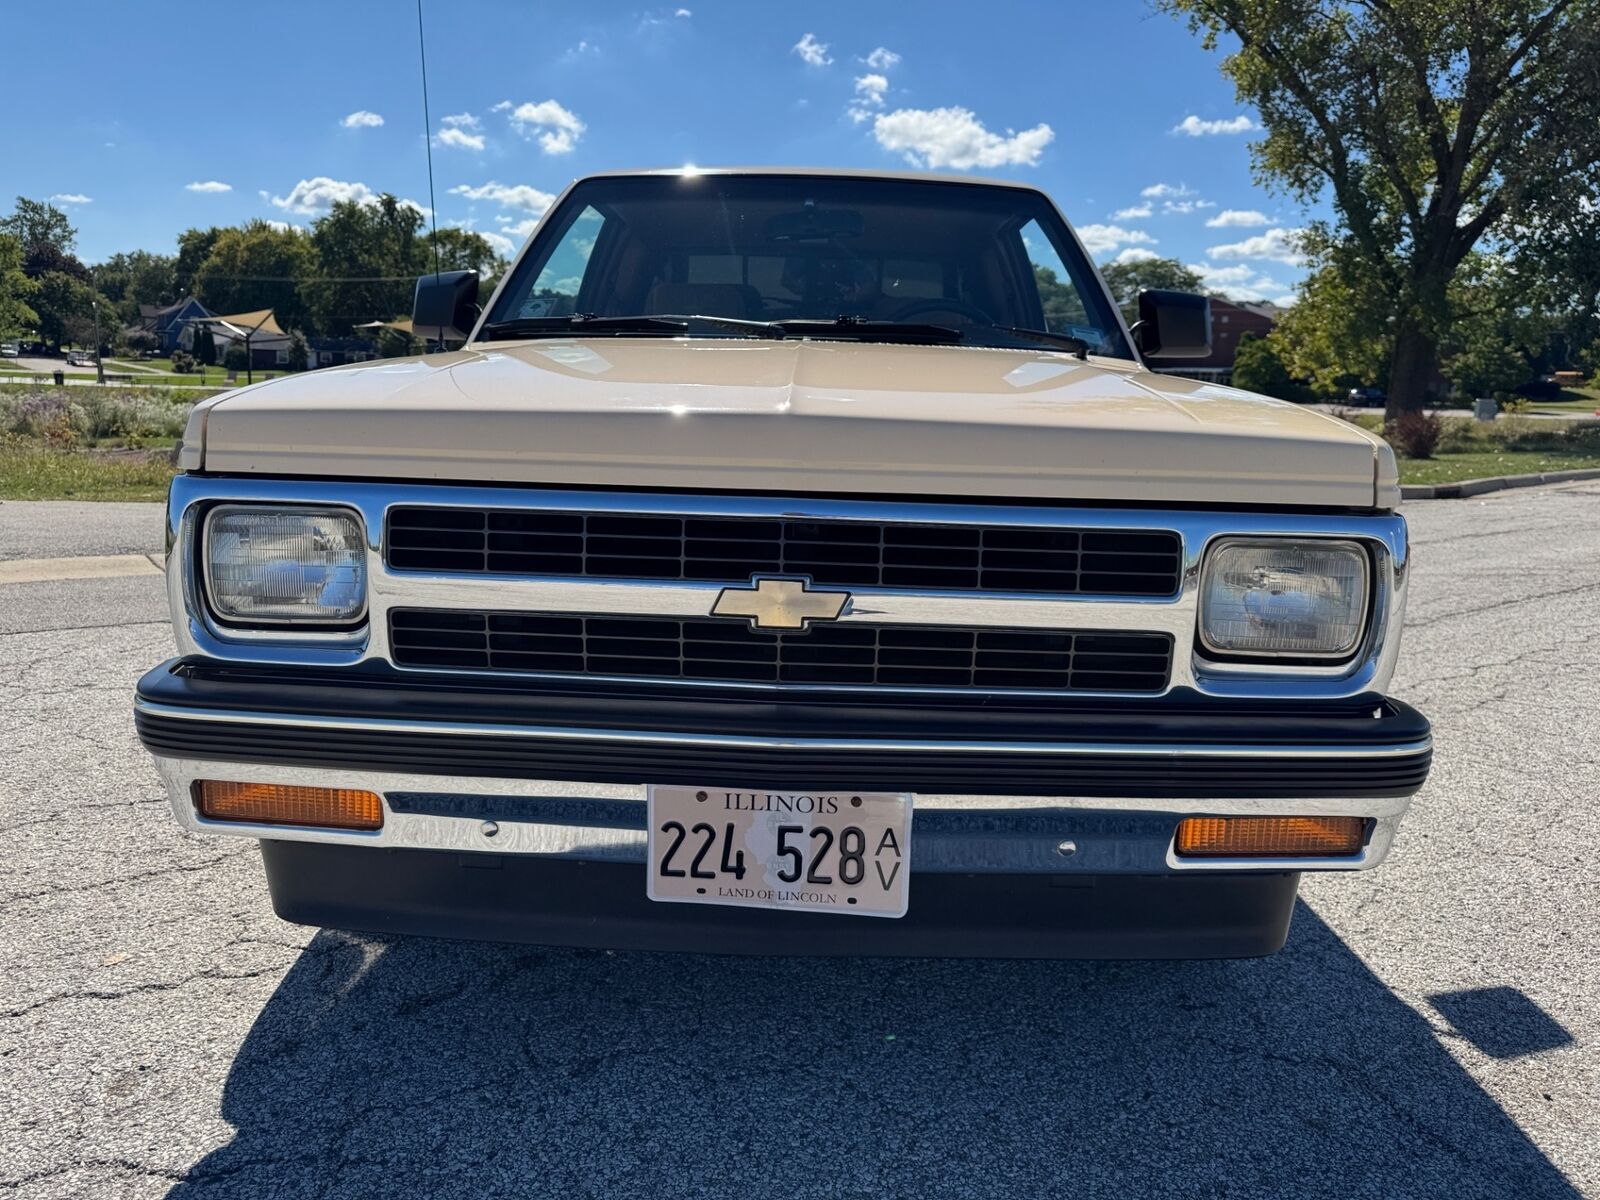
(10, 350)
(777, 568)
(80, 358)
(1368, 397)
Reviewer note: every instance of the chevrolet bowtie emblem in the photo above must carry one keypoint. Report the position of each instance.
(780, 604)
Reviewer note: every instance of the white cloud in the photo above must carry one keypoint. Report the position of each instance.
(1238, 218)
(209, 186)
(683, 12)
(882, 59)
(1183, 207)
(71, 198)
(1098, 239)
(503, 106)
(558, 129)
(451, 136)
(503, 246)
(1195, 127)
(1132, 212)
(280, 226)
(362, 119)
(312, 197)
(517, 229)
(1242, 283)
(1275, 245)
(1159, 191)
(869, 95)
(954, 137)
(461, 121)
(811, 51)
(1134, 254)
(508, 195)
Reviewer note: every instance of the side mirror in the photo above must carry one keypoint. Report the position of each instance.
(446, 306)
(1173, 325)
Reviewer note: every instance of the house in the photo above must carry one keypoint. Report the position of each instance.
(334, 351)
(259, 331)
(169, 323)
(1230, 321)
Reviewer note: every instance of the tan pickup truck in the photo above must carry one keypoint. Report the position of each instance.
(789, 562)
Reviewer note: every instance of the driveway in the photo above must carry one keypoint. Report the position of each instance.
(1431, 1029)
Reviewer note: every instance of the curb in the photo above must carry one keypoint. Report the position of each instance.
(1499, 483)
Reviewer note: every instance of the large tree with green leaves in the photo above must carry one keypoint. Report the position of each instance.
(136, 277)
(1429, 124)
(368, 257)
(16, 289)
(255, 266)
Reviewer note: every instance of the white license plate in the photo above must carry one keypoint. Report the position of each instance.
(833, 852)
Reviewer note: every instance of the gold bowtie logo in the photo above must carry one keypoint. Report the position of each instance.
(780, 604)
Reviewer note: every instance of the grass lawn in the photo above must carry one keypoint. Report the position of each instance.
(1579, 401)
(31, 472)
(1453, 468)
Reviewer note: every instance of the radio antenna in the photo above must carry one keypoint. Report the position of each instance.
(427, 139)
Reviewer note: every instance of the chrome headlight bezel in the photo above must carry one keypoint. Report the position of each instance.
(219, 613)
(1362, 623)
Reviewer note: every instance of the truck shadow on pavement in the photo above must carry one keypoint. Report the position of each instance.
(411, 1067)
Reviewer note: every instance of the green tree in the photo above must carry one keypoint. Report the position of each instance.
(299, 352)
(256, 266)
(205, 345)
(1336, 334)
(235, 357)
(1429, 124)
(16, 289)
(194, 247)
(65, 305)
(1497, 330)
(137, 277)
(368, 257)
(1127, 279)
(46, 235)
(1258, 367)
(461, 250)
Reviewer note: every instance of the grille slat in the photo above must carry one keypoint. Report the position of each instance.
(715, 651)
(493, 541)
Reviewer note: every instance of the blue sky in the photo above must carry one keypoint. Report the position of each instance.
(141, 128)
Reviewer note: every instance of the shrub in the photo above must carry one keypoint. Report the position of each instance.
(66, 418)
(182, 362)
(1460, 437)
(205, 346)
(1414, 434)
(299, 352)
(236, 357)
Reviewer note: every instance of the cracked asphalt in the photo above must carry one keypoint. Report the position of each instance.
(1430, 1030)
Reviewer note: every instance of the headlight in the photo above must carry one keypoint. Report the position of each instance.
(1283, 598)
(285, 564)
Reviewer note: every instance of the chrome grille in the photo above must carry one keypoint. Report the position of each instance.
(531, 542)
(853, 654)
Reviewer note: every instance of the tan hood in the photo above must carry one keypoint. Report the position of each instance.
(809, 417)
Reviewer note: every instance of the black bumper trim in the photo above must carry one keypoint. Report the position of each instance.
(493, 897)
(280, 722)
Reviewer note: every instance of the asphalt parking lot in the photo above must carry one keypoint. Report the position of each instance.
(1431, 1029)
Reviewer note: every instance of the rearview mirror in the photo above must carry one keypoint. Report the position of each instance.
(1173, 325)
(446, 306)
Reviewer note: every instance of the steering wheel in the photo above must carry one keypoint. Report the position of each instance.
(917, 307)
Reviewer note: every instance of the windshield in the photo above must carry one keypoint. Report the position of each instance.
(989, 262)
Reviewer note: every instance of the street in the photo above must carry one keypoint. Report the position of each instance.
(1431, 1029)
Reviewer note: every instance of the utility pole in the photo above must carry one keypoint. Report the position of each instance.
(99, 366)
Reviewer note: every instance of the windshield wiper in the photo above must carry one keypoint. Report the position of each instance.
(580, 323)
(867, 330)
(1065, 340)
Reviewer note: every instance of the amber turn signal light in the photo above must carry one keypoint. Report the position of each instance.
(1270, 837)
(281, 804)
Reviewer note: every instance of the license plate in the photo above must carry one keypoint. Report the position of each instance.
(833, 852)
